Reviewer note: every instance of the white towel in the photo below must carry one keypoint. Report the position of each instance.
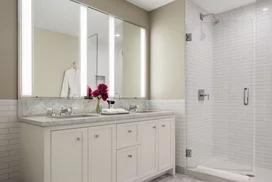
(114, 111)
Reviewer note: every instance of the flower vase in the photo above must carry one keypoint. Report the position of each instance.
(98, 109)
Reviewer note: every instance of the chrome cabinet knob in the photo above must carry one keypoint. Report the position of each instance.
(97, 136)
(129, 131)
(154, 127)
(163, 126)
(130, 156)
(78, 139)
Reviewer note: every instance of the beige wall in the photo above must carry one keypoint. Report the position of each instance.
(121, 9)
(168, 51)
(54, 53)
(8, 49)
(131, 79)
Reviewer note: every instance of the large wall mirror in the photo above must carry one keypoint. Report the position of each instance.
(64, 50)
(130, 60)
(98, 49)
(56, 48)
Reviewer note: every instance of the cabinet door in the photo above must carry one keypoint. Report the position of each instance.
(102, 154)
(69, 155)
(149, 147)
(127, 164)
(165, 144)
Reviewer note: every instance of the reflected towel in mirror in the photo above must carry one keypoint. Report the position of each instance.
(71, 84)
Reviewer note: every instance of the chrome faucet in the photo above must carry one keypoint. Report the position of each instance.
(133, 108)
(66, 111)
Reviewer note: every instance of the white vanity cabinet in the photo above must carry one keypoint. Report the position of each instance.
(102, 154)
(68, 155)
(70, 150)
(166, 157)
(148, 163)
(121, 151)
(146, 152)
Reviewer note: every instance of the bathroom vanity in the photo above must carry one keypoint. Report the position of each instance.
(121, 148)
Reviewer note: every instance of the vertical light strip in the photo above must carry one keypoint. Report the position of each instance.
(143, 62)
(83, 49)
(111, 54)
(26, 44)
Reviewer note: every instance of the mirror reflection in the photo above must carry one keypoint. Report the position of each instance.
(56, 48)
(59, 45)
(98, 49)
(127, 59)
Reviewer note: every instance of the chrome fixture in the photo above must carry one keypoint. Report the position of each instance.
(246, 96)
(50, 112)
(133, 108)
(66, 111)
(110, 104)
(202, 95)
(62, 112)
(202, 16)
(216, 20)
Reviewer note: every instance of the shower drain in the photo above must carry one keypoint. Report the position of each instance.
(250, 175)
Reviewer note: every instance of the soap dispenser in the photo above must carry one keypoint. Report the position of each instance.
(110, 104)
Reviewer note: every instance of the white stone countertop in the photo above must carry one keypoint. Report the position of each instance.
(45, 121)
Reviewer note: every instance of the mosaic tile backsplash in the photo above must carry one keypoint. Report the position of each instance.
(38, 107)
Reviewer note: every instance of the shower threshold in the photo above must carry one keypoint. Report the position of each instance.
(232, 171)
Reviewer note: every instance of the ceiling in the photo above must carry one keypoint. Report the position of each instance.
(219, 6)
(150, 5)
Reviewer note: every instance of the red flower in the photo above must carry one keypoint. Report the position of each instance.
(105, 96)
(96, 93)
(102, 92)
(102, 87)
(89, 91)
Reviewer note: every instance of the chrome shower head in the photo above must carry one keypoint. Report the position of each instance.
(217, 21)
(202, 16)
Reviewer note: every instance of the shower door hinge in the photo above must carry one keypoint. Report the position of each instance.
(189, 37)
(188, 152)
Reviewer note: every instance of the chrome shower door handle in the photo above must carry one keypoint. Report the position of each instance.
(246, 96)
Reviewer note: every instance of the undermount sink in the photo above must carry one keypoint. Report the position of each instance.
(143, 111)
(75, 116)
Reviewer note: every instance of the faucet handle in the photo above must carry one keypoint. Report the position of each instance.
(50, 111)
(70, 111)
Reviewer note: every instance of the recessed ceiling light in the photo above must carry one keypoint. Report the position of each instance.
(117, 35)
(265, 9)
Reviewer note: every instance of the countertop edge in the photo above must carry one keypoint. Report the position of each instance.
(44, 121)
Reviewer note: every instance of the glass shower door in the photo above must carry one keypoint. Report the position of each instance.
(221, 60)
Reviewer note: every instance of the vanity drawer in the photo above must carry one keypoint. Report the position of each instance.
(127, 164)
(127, 135)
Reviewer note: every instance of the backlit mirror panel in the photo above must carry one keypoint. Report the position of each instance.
(64, 50)
(130, 60)
(56, 48)
(98, 49)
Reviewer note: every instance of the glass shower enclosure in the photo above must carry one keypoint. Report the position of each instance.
(221, 91)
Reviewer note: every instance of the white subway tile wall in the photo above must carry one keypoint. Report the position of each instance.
(198, 76)
(233, 71)
(241, 58)
(9, 142)
(177, 106)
